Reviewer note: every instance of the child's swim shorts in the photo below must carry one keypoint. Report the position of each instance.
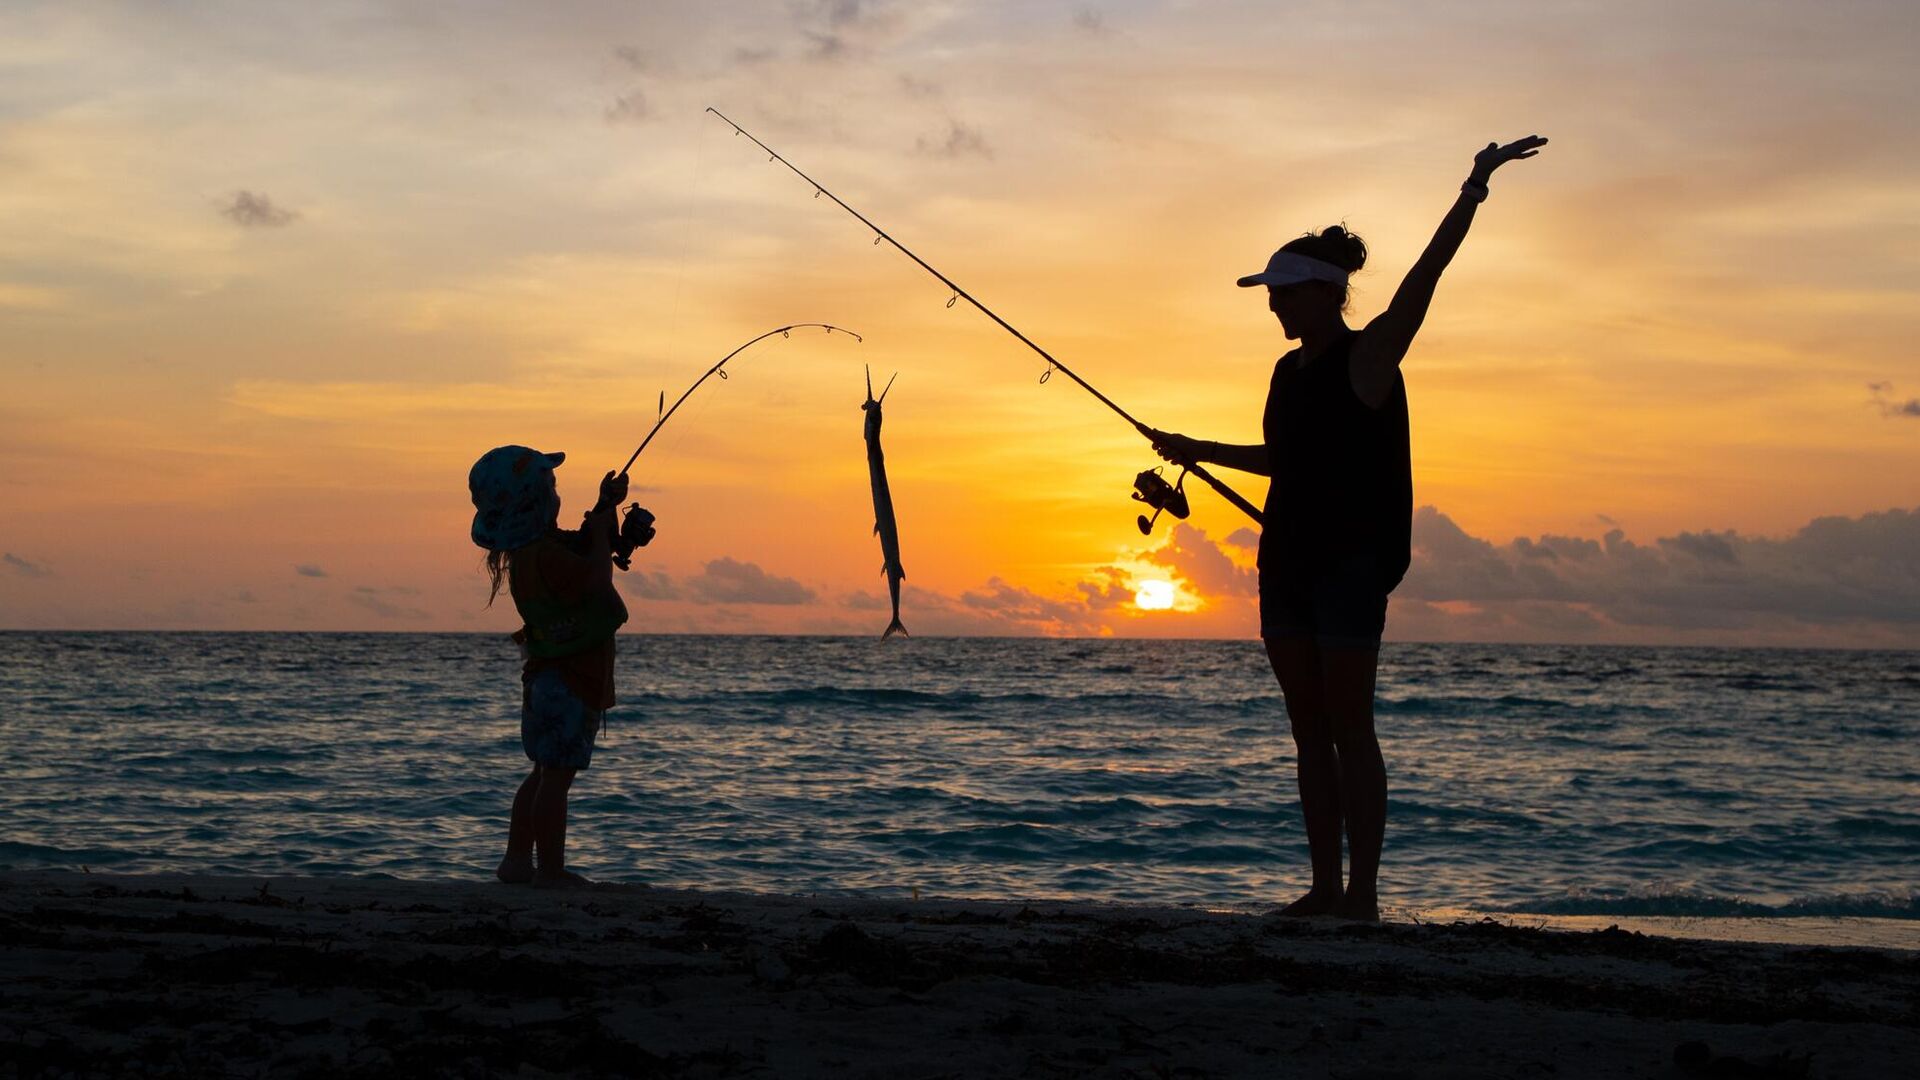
(556, 728)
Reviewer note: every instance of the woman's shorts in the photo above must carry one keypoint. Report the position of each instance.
(1339, 604)
(556, 727)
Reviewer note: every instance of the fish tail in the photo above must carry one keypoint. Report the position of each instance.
(895, 627)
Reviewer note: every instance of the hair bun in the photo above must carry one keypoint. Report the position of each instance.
(1333, 244)
(1342, 248)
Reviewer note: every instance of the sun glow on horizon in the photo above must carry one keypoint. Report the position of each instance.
(1154, 596)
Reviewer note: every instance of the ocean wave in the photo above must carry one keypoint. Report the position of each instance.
(1873, 826)
(1685, 904)
(884, 697)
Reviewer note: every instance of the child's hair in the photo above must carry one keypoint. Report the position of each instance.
(499, 563)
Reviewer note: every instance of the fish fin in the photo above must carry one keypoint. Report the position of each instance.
(895, 628)
(876, 528)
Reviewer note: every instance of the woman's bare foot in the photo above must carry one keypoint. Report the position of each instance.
(515, 869)
(559, 879)
(1360, 907)
(1316, 902)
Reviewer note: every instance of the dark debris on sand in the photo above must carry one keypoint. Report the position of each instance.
(341, 979)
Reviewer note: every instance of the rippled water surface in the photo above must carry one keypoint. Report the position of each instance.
(1539, 779)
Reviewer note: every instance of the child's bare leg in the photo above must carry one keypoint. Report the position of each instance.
(550, 828)
(517, 867)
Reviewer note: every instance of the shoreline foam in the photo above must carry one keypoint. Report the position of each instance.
(194, 975)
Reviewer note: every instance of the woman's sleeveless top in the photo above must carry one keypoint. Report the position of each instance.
(1342, 475)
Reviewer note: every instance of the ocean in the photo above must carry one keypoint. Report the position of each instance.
(1557, 781)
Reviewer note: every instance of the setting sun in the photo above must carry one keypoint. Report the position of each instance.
(1153, 596)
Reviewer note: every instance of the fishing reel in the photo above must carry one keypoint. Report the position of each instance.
(1152, 488)
(636, 531)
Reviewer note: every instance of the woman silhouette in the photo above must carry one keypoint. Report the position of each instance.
(1338, 523)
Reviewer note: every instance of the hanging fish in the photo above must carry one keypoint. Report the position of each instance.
(883, 523)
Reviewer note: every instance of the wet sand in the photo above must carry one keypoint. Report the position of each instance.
(181, 975)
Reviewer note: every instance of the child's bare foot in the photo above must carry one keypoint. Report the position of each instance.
(559, 879)
(1361, 907)
(515, 869)
(1316, 902)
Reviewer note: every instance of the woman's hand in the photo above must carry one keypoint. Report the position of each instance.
(1496, 155)
(1175, 449)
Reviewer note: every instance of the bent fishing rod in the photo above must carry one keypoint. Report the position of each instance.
(959, 293)
(667, 414)
(636, 530)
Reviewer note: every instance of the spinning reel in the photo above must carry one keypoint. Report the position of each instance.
(1152, 488)
(636, 531)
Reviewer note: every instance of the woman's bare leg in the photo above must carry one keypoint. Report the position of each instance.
(1296, 663)
(1348, 685)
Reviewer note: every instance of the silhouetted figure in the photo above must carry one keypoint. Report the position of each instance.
(883, 524)
(1338, 523)
(561, 582)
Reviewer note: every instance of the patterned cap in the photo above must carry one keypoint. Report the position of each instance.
(514, 500)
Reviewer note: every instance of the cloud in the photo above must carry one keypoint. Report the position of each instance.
(826, 47)
(1836, 581)
(915, 87)
(25, 567)
(374, 600)
(1889, 406)
(1836, 575)
(838, 29)
(861, 600)
(960, 141)
(1107, 590)
(1094, 605)
(1091, 21)
(727, 581)
(1001, 607)
(1706, 547)
(1244, 538)
(629, 108)
(251, 211)
(650, 585)
(1204, 564)
(309, 570)
(630, 56)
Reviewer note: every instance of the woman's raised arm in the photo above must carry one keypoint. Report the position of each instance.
(1384, 342)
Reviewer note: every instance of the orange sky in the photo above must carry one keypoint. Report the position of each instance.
(1693, 316)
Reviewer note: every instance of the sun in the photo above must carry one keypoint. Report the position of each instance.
(1153, 596)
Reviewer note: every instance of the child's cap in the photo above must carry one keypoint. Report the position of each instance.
(514, 500)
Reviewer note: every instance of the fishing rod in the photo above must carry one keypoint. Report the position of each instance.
(636, 530)
(1146, 493)
(667, 414)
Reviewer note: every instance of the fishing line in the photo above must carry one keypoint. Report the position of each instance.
(959, 294)
(784, 331)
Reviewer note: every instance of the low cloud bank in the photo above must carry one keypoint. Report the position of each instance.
(1837, 580)
(722, 581)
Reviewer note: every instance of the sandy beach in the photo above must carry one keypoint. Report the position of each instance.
(179, 975)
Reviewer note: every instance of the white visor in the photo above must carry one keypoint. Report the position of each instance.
(1291, 268)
